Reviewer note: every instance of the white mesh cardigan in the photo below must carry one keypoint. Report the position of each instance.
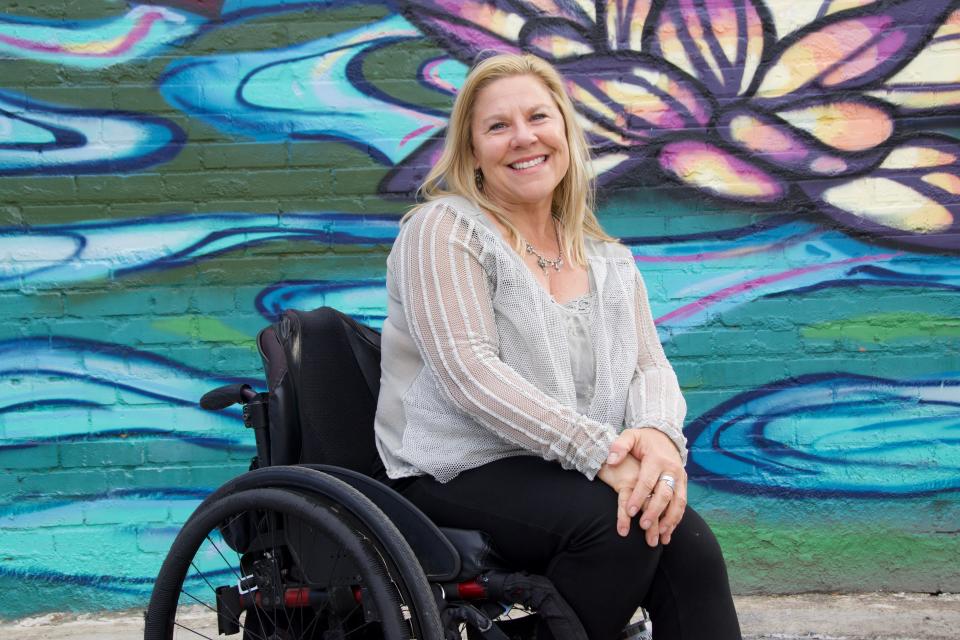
(475, 363)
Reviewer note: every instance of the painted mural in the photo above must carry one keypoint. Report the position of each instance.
(173, 175)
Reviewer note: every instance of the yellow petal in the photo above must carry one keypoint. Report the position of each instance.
(891, 204)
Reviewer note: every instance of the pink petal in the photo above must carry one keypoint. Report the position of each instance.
(718, 172)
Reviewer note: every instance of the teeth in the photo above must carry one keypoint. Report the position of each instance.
(528, 163)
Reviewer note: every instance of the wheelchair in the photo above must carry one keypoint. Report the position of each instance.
(313, 543)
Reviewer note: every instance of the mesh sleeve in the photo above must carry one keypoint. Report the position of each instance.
(654, 399)
(447, 302)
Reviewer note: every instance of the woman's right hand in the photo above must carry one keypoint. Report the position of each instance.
(622, 478)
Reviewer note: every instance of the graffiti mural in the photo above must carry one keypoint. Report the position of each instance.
(707, 92)
(175, 174)
(45, 138)
(143, 30)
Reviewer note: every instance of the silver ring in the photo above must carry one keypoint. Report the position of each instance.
(668, 480)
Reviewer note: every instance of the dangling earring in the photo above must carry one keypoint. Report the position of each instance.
(478, 179)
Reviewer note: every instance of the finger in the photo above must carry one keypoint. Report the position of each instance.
(623, 518)
(650, 518)
(646, 484)
(622, 446)
(674, 513)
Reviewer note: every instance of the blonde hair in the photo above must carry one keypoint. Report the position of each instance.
(453, 174)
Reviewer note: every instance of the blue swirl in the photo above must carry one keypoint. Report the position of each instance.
(135, 526)
(62, 389)
(364, 300)
(58, 255)
(49, 139)
(96, 44)
(771, 260)
(315, 91)
(833, 434)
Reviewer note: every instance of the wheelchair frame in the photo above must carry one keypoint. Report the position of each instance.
(323, 551)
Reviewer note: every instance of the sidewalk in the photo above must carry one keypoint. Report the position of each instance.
(896, 616)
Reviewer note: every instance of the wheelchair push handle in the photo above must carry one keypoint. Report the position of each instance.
(223, 397)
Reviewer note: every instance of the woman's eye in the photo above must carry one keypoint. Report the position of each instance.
(497, 125)
(538, 116)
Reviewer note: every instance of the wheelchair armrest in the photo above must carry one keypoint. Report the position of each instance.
(223, 397)
(438, 557)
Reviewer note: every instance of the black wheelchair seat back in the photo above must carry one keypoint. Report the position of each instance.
(323, 373)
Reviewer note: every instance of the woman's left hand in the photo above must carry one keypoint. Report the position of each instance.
(658, 456)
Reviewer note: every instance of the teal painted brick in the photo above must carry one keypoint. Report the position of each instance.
(9, 486)
(35, 457)
(213, 300)
(33, 304)
(157, 477)
(755, 341)
(126, 302)
(690, 344)
(743, 373)
(214, 476)
(119, 511)
(67, 482)
(689, 374)
(101, 454)
(177, 452)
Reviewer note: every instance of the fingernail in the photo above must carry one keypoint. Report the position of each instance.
(633, 511)
(613, 457)
(644, 524)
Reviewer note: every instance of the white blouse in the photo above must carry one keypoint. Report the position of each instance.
(476, 360)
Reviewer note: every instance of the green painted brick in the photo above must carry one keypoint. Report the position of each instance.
(243, 155)
(204, 185)
(301, 182)
(138, 187)
(24, 190)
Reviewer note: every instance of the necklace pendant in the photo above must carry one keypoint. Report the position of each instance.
(542, 262)
(558, 264)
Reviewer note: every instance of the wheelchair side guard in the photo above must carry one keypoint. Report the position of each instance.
(373, 503)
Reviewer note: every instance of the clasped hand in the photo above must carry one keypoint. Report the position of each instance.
(638, 460)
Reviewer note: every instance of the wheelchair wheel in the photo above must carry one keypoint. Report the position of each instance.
(274, 564)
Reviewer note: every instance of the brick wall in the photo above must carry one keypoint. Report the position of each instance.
(173, 175)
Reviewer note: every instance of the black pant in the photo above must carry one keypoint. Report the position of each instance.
(557, 523)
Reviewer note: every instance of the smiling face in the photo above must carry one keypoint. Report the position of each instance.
(519, 142)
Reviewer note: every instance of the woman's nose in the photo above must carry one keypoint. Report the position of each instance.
(523, 135)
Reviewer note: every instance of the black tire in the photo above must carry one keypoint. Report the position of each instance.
(290, 543)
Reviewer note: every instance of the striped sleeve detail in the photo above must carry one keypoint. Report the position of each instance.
(654, 398)
(448, 306)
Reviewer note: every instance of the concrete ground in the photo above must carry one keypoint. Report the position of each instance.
(879, 616)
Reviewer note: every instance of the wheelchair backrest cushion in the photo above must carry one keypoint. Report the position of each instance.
(323, 372)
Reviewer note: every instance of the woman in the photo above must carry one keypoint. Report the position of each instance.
(518, 344)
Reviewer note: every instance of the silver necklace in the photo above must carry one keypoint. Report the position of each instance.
(542, 261)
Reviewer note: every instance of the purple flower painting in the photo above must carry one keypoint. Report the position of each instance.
(777, 105)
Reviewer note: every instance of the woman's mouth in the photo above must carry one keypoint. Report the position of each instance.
(520, 165)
